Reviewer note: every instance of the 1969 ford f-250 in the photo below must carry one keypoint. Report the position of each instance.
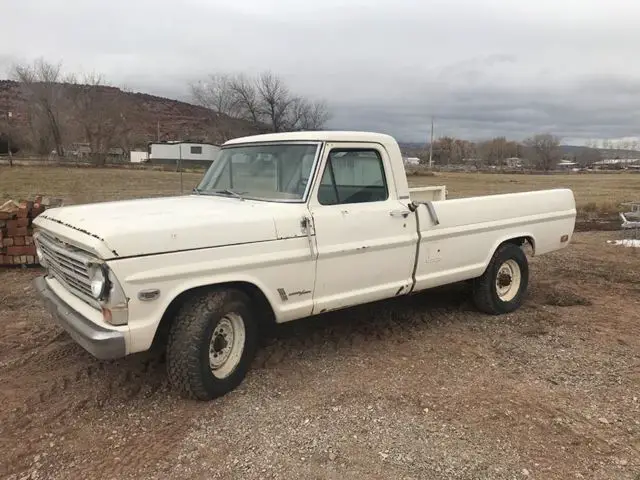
(282, 226)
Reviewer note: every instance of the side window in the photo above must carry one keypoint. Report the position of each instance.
(196, 150)
(353, 176)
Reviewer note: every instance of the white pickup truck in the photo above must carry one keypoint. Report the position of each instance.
(281, 227)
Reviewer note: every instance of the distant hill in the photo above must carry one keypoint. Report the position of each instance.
(146, 114)
(604, 152)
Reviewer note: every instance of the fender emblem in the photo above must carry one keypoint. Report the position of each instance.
(148, 295)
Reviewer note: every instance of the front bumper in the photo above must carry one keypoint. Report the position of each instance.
(100, 342)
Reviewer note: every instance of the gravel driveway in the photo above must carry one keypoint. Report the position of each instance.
(414, 388)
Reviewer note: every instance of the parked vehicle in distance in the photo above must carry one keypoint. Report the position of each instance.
(281, 227)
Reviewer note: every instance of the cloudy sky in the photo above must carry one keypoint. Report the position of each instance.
(481, 67)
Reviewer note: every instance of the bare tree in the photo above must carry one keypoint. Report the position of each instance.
(216, 94)
(246, 98)
(276, 101)
(544, 148)
(308, 115)
(219, 96)
(264, 101)
(463, 150)
(443, 150)
(10, 138)
(497, 150)
(97, 110)
(42, 83)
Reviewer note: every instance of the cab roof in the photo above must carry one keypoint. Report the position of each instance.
(317, 136)
(399, 179)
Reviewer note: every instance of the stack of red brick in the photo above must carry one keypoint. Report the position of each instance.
(16, 232)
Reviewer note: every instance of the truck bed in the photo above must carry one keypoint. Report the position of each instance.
(457, 238)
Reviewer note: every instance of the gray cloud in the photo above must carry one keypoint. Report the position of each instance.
(495, 67)
(591, 109)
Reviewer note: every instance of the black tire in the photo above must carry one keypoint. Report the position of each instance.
(485, 291)
(189, 341)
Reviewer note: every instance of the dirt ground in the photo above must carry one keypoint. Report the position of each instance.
(414, 388)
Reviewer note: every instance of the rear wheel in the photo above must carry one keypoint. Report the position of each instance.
(502, 287)
(211, 344)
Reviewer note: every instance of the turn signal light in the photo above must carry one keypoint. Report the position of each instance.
(106, 315)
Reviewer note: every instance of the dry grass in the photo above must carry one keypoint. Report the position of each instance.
(82, 185)
(595, 193)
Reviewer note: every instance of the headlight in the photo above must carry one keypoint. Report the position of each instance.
(40, 256)
(99, 281)
(108, 291)
(115, 308)
(39, 252)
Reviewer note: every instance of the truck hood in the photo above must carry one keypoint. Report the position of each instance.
(160, 225)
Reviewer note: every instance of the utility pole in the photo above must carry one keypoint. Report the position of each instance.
(180, 168)
(9, 115)
(158, 130)
(431, 146)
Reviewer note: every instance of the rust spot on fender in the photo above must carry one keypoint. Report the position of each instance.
(86, 232)
(78, 229)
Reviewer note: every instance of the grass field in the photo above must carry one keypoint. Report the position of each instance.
(594, 192)
(82, 185)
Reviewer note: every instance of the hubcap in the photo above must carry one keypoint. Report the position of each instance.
(226, 345)
(508, 280)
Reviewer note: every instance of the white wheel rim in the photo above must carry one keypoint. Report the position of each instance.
(226, 345)
(508, 280)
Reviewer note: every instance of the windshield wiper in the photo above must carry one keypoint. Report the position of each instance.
(227, 191)
(197, 190)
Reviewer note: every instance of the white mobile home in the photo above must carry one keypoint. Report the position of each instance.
(138, 157)
(188, 153)
(411, 161)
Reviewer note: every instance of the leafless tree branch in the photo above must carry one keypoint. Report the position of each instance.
(545, 150)
(42, 83)
(265, 101)
(99, 113)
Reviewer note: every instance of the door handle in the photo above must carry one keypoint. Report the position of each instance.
(399, 213)
(307, 225)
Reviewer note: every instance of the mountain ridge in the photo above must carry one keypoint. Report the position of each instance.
(149, 117)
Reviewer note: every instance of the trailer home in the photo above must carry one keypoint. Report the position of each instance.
(187, 152)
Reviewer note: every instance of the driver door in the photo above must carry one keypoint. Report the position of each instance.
(365, 237)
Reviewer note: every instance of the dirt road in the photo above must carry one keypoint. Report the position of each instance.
(421, 387)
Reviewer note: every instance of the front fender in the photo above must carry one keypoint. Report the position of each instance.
(270, 266)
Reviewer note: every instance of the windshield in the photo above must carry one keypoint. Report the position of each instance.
(277, 172)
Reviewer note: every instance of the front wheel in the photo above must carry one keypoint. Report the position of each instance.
(211, 344)
(502, 287)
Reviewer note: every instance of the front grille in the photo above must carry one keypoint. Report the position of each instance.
(67, 264)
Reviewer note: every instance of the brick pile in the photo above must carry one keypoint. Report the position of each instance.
(16, 231)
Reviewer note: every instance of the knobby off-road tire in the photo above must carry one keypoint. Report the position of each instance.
(502, 287)
(204, 327)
